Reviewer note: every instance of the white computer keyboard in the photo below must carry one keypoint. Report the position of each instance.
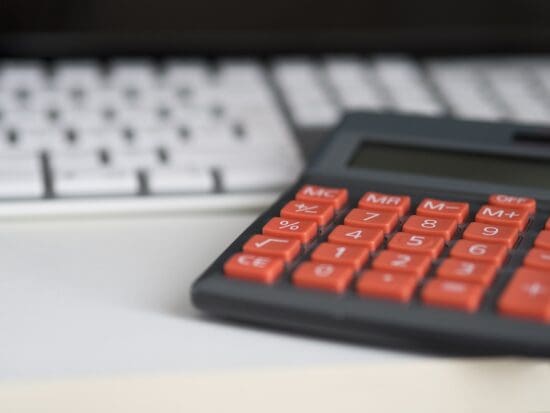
(135, 135)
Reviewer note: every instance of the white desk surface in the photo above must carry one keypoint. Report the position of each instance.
(106, 296)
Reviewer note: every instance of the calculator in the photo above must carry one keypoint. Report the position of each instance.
(430, 232)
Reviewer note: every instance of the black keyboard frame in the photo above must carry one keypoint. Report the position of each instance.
(348, 316)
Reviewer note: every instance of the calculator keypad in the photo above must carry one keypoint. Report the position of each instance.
(381, 248)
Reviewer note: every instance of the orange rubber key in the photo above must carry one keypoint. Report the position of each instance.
(323, 276)
(341, 254)
(364, 237)
(470, 271)
(252, 267)
(527, 295)
(441, 227)
(419, 244)
(452, 294)
(496, 215)
(476, 231)
(386, 221)
(393, 261)
(284, 248)
(337, 197)
(538, 258)
(386, 285)
(320, 213)
(430, 207)
(398, 204)
(478, 251)
(543, 240)
(510, 201)
(298, 229)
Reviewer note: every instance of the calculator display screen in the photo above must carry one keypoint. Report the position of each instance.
(499, 169)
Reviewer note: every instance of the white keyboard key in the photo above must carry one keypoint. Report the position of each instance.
(77, 75)
(26, 120)
(256, 178)
(134, 159)
(518, 92)
(167, 180)
(82, 119)
(75, 160)
(94, 182)
(405, 84)
(43, 140)
(186, 74)
(300, 83)
(354, 84)
(27, 75)
(132, 74)
(20, 183)
(462, 87)
(104, 139)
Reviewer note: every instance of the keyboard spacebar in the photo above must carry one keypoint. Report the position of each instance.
(94, 182)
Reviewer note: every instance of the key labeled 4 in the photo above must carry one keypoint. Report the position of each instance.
(368, 238)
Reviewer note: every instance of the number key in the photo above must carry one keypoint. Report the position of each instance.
(323, 276)
(416, 264)
(471, 271)
(341, 254)
(385, 221)
(366, 237)
(477, 231)
(477, 251)
(421, 244)
(543, 240)
(442, 227)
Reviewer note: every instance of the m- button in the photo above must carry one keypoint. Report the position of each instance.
(444, 209)
(513, 217)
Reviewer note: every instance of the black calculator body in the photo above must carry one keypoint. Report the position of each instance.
(425, 231)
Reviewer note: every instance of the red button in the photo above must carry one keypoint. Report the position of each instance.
(527, 295)
(538, 258)
(543, 240)
(341, 254)
(441, 227)
(510, 201)
(452, 294)
(470, 271)
(302, 230)
(320, 213)
(252, 267)
(477, 231)
(490, 214)
(420, 244)
(430, 207)
(548, 224)
(392, 261)
(286, 249)
(479, 251)
(365, 237)
(323, 276)
(337, 197)
(399, 204)
(386, 285)
(385, 221)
